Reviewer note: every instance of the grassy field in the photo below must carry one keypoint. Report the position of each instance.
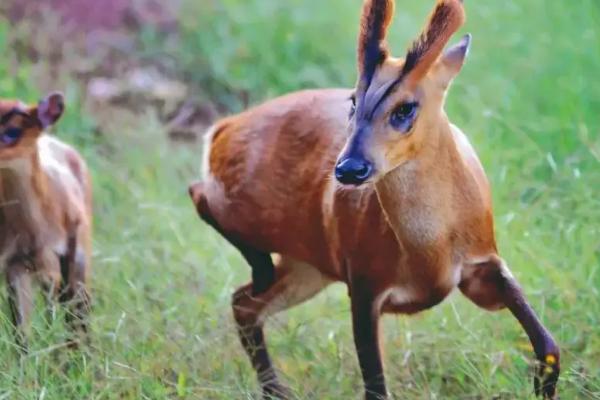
(529, 99)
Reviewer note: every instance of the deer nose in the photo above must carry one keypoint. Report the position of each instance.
(353, 171)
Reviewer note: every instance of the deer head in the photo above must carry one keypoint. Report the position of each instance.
(21, 125)
(398, 103)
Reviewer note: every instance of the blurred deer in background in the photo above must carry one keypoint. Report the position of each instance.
(45, 213)
(408, 220)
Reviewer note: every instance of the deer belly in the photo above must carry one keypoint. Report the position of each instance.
(423, 286)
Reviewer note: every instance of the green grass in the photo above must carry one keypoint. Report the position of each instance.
(529, 98)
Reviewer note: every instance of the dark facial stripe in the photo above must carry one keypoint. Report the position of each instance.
(16, 112)
(355, 149)
(356, 144)
(379, 97)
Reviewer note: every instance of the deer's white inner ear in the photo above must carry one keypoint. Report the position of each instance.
(455, 56)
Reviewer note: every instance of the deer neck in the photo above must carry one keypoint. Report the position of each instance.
(416, 196)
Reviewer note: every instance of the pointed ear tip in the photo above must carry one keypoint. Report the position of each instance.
(56, 95)
(465, 43)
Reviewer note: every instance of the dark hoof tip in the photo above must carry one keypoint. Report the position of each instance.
(547, 378)
(276, 392)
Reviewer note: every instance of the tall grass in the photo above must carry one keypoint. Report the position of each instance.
(529, 99)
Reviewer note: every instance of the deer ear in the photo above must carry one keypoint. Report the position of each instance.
(453, 59)
(374, 23)
(50, 109)
(446, 18)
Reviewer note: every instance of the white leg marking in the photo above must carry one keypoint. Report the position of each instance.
(301, 283)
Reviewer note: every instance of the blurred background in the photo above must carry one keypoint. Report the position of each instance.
(143, 80)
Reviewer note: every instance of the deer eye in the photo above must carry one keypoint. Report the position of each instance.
(11, 135)
(403, 116)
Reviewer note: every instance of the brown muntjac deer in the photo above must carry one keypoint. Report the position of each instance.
(372, 187)
(45, 213)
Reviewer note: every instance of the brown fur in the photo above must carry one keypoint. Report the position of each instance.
(45, 215)
(420, 227)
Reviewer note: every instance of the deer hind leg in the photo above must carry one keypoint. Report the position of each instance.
(263, 270)
(295, 282)
(490, 285)
(73, 292)
(20, 298)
